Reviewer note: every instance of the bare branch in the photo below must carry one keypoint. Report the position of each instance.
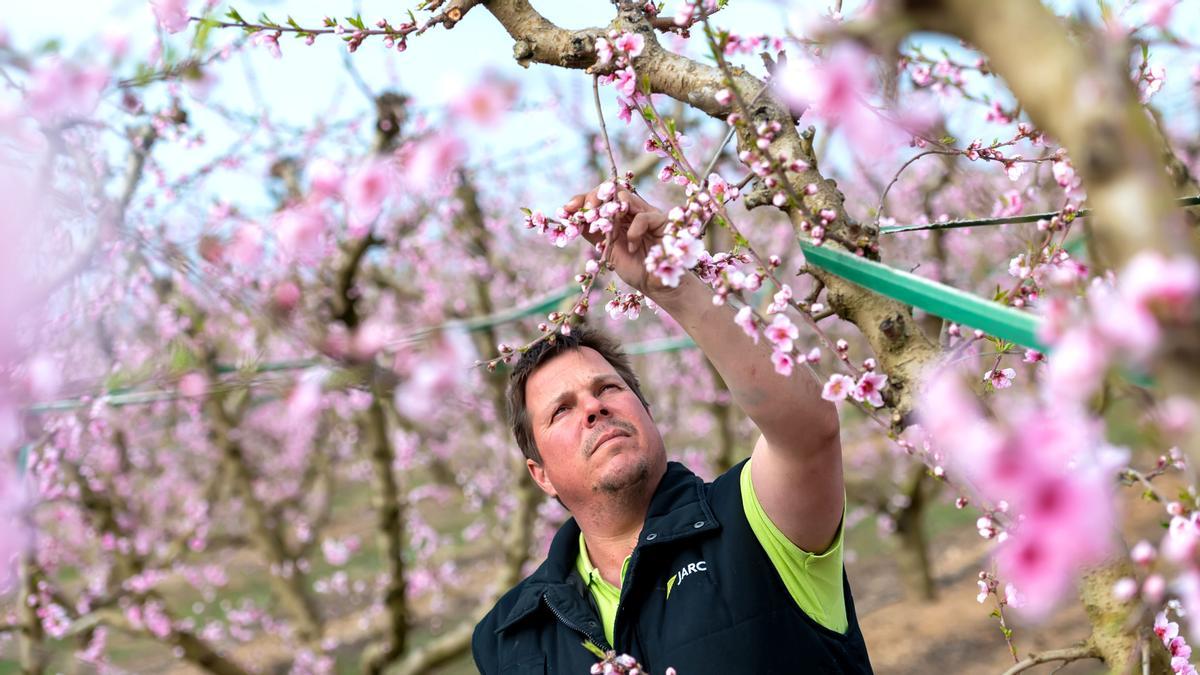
(1067, 655)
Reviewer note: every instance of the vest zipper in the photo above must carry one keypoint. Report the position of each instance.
(599, 642)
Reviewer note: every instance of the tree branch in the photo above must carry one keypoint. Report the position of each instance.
(1066, 655)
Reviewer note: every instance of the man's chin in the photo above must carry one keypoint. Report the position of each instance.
(630, 474)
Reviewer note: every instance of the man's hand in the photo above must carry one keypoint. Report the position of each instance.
(637, 228)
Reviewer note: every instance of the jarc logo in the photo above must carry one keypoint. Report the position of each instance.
(690, 568)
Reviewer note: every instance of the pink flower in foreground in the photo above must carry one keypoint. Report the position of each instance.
(299, 230)
(745, 320)
(485, 102)
(838, 387)
(430, 161)
(1165, 288)
(366, 191)
(1078, 364)
(870, 389)
(60, 89)
(172, 15)
(246, 247)
(325, 178)
(1050, 465)
(1160, 12)
(781, 332)
(837, 90)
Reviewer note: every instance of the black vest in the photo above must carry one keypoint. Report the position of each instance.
(726, 610)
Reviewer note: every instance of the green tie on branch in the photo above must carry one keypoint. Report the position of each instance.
(941, 300)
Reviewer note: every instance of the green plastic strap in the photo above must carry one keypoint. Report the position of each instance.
(661, 345)
(23, 459)
(542, 305)
(938, 299)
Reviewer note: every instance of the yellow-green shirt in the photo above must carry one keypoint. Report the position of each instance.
(813, 580)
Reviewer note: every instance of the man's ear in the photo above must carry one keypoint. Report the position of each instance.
(538, 473)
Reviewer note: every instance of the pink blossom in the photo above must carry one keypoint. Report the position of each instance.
(193, 385)
(838, 387)
(837, 91)
(325, 178)
(745, 319)
(429, 162)
(172, 15)
(433, 378)
(270, 41)
(246, 247)
(366, 191)
(1142, 553)
(43, 377)
(1078, 364)
(869, 388)
(338, 551)
(1125, 589)
(1160, 13)
(1000, 378)
(59, 89)
(630, 43)
(285, 296)
(562, 233)
(486, 102)
(783, 361)
(669, 271)
(781, 332)
(306, 398)
(626, 82)
(685, 247)
(299, 230)
(604, 51)
(606, 190)
(1010, 204)
(1166, 288)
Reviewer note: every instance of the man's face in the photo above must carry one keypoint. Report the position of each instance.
(592, 431)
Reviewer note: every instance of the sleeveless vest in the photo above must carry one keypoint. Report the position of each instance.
(700, 595)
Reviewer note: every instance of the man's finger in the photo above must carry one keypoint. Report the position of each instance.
(574, 203)
(643, 223)
(634, 201)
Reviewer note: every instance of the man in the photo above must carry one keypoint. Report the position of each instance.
(742, 575)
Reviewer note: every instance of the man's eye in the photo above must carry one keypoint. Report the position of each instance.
(609, 386)
(559, 409)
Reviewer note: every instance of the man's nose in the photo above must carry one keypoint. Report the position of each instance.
(596, 411)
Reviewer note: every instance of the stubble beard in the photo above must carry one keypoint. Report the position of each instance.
(627, 477)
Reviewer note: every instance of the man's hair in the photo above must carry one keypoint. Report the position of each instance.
(540, 353)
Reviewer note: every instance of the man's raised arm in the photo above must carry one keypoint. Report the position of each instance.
(797, 462)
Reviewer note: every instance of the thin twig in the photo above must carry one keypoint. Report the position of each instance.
(1028, 218)
(728, 135)
(612, 161)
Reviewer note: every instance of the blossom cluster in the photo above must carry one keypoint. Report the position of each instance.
(1180, 651)
(622, 664)
(1047, 472)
